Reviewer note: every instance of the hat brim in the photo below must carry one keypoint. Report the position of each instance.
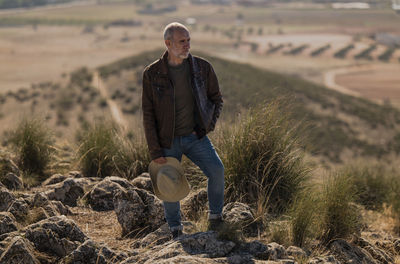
(184, 187)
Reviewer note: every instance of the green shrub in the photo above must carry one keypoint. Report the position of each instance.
(394, 200)
(262, 159)
(133, 158)
(371, 183)
(33, 144)
(98, 148)
(278, 232)
(303, 215)
(339, 217)
(103, 152)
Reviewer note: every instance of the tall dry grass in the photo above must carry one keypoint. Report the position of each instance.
(338, 216)
(33, 146)
(263, 160)
(103, 152)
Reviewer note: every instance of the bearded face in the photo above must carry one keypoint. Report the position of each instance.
(179, 45)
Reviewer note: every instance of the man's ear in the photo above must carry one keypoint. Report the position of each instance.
(167, 43)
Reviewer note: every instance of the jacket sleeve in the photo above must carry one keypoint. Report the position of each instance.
(149, 120)
(214, 95)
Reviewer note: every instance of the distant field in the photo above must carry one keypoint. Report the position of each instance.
(53, 42)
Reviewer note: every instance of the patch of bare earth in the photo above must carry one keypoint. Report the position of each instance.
(379, 83)
(101, 227)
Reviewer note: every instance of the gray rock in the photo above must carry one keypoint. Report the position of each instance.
(276, 251)
(157, 237)
(143, 181)
(56, 178)
(61, 208)
(7, 223)
(121, 181)
(194, 204)
(19, 208)
(52, 208)
(6, 199)
(39, 200)
(296, 252)
(100, 198)
(396, 245)
(68, 191)
(7, 166)
(56, 235)
(12, 182)
(91, 253)
(375, 251)
(138, 211)
(323, 260)
(240, 214)
(161, 235)
(75, 174)
(348, 253)
(199, 246)
(206, 243)
(271, 251)
(19, 251)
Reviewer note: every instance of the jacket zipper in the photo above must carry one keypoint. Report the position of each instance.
(173, 127)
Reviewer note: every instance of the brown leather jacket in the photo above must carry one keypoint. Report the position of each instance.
(158, 102)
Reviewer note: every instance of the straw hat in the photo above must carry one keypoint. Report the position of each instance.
(169, 181)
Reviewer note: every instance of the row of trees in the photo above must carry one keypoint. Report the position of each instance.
(6, 4)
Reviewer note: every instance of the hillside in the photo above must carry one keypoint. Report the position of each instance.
(338, 126)
(99, 206)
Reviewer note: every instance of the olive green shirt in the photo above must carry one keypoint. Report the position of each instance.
(184, 101)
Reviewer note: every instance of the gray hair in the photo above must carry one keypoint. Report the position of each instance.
(171, 28)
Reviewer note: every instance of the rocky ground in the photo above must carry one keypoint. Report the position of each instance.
(72, 219)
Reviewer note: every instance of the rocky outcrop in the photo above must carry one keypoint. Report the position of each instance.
(100, 198)
(10, 174)
(194, 204)
(121, 181)
(206, 245)
(56, 178)
(7, 223)
(324, 260)
(52, 208)
(346, 252)
(19, 251)
(143, 181)
(19, 208)
(6, 199)
(69, 190)
(12, 181)
(138, 211)
(376, 250)
(91, 253)
(56, 236)
(240, 214)
(296, 252)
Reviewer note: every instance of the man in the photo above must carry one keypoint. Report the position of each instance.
(181, 103)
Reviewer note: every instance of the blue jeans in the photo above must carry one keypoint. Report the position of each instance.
(202, 153)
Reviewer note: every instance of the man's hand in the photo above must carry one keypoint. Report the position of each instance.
(160, 160)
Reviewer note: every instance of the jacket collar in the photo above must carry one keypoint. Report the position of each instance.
(164, 64)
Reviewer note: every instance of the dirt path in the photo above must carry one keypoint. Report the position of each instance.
(116, 112)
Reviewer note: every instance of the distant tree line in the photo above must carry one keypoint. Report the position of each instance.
(5, 4)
